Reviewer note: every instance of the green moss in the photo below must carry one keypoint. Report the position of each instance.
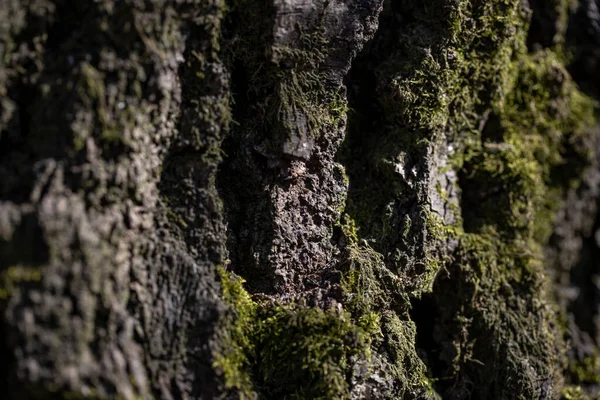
(531, 147)
(532, 151)
(513, 174)
(15, 275)
(586, 371)
(574, 393)
(337, 108)
(515, 165)
(438, 75)
(236, 348)
(461, 72)
(307, 353)
(514, 171)
(499, 333)
(376, 298)
(286, 103)
(287, 351)
(369, 284)
(176, 218)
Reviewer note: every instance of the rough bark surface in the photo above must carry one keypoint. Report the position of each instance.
(362, 199)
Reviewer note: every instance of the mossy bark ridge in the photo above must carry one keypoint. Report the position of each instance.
(284, 199)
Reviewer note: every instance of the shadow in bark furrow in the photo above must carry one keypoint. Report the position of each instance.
(249, 167)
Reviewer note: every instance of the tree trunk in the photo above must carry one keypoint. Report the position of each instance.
(369, 199)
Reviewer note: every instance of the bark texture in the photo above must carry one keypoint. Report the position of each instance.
(289, 199)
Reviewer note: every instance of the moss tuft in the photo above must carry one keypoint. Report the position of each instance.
(236, 350)
(307, 353)
(17, 275)
(377, 300)
(586, 371)
(287, 351)
(574, 393)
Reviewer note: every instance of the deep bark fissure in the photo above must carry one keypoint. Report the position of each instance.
(248, 168)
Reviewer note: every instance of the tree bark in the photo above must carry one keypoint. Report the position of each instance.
(369, 199)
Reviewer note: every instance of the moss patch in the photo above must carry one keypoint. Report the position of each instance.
(286, 351)
(530, 151)
(497, 338)
(281, 101)
(574, 393)
(586, 371)
(233, 359)
(377, 299)
(17, 275)
(514, 170)
(459, 75)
